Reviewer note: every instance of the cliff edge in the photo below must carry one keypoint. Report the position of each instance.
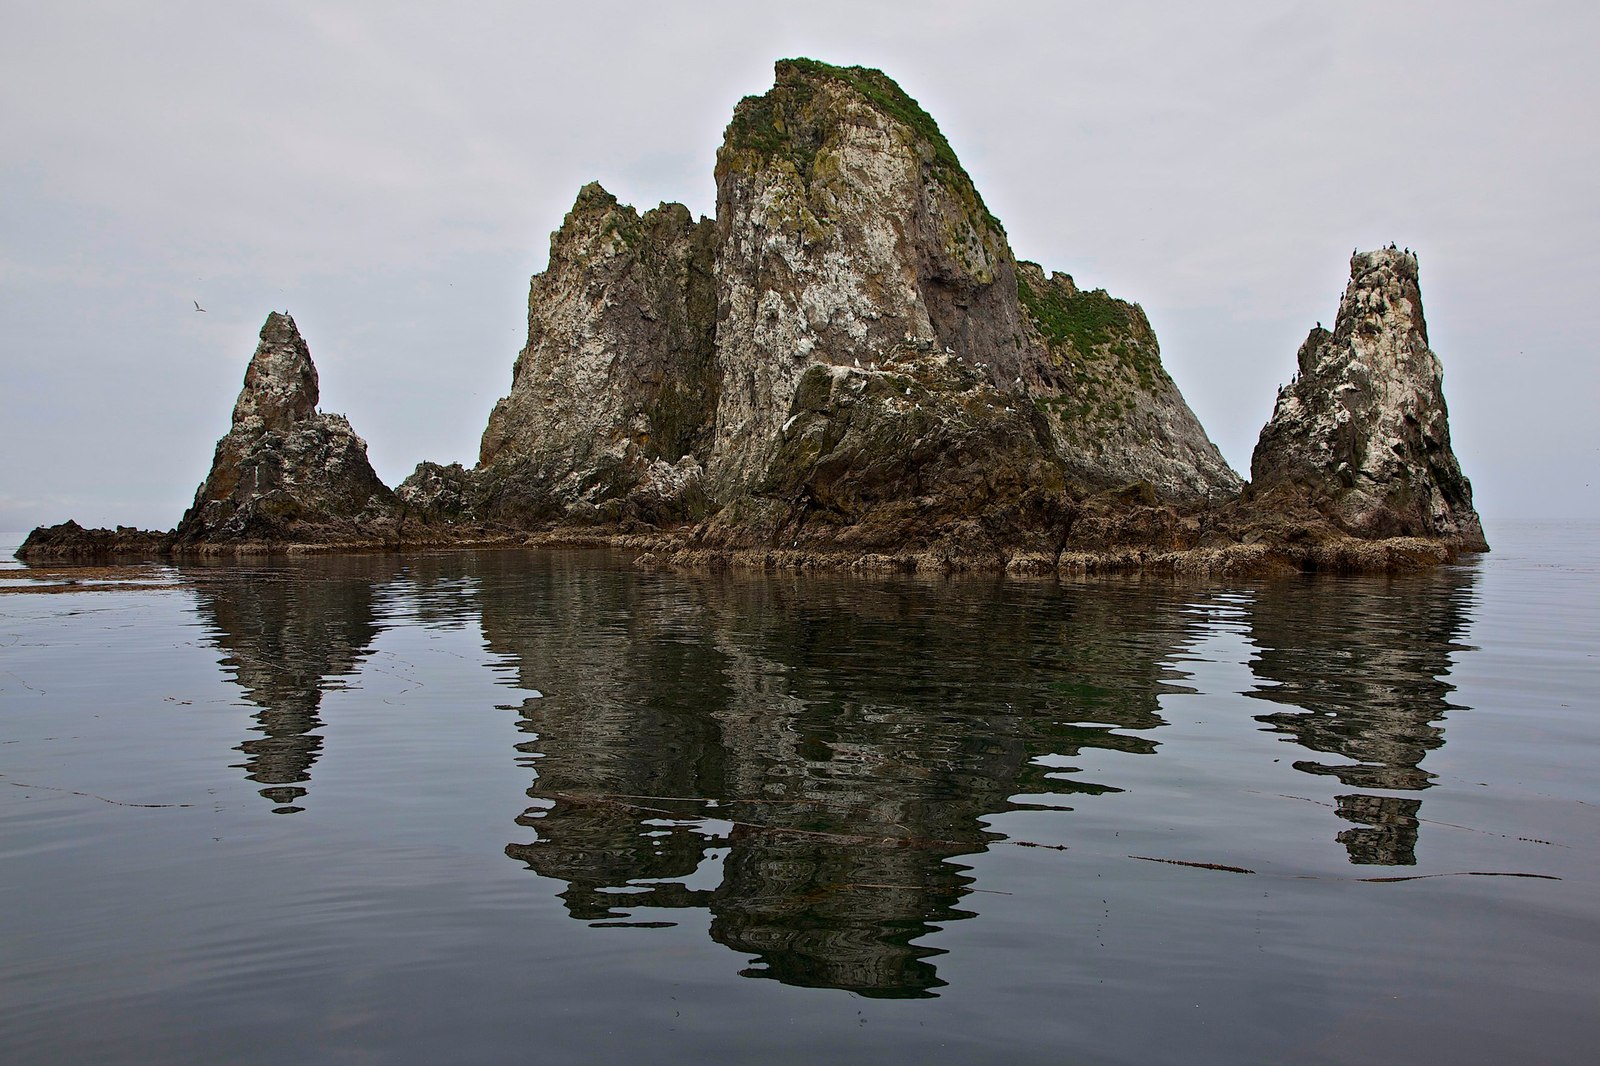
(612, 399)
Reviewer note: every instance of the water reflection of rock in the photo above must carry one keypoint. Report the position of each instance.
(1387, 833)
(288, 631)
(791, 730)
(1363, 666)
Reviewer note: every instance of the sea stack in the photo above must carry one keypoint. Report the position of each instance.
(1362, 432)
(848, 357)
(284, 472)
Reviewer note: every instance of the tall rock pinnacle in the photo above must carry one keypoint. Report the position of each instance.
(1363, 428)
(284, 471)
(280, 384)
(617, 384)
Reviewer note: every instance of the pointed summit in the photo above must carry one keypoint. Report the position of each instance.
(280, 384)
(612, 398)
(284, 472)
(849, 235)
(1364, 426)
(790, 124)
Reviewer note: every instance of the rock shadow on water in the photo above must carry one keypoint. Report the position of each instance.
(1362, 668)
(288, 633)
(807, 760)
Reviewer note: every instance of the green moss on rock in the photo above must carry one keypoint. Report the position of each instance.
(778, 126)
(1103, 341)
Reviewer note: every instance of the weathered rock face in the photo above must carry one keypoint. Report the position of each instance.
(434, 493)
(663, 373)
(848, 366)
(285, 471)
(845, 228)
(1116, 416)
(849, 237)
(907, 451)
(618, 379)
(1363, 429)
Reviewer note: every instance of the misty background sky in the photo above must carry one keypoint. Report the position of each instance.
(390, 174)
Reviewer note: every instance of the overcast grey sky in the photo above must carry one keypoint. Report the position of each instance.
(390, 173)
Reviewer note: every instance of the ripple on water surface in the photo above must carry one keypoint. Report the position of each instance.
(465, 804)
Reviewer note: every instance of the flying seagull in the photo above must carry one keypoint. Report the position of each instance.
(197, 306)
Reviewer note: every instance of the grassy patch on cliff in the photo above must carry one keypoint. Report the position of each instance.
(1094, 325)
(884, 94)
(759, 126)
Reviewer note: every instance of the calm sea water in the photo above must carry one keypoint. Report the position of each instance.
(483, 807)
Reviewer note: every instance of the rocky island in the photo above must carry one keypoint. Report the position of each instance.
(848, 368)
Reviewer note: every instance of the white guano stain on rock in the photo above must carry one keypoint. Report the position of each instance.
(1364, 423)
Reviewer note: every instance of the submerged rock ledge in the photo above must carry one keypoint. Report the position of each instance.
(847, 368)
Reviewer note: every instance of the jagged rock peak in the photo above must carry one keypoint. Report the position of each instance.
(618, 374)
(599, 226)
(1364, 425)
(285, 472)
(280, 384)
